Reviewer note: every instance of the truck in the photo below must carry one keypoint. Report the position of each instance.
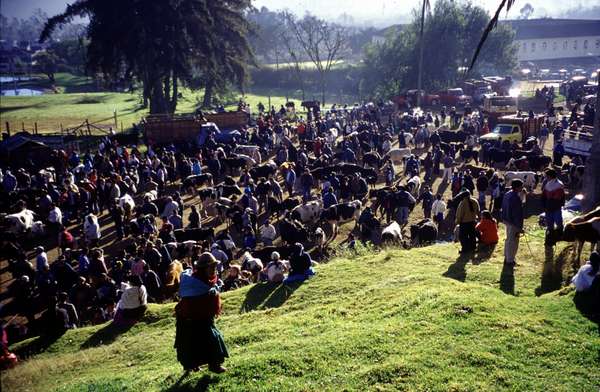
(495, 107)
(410, 98)
(500, 85)
(454, 97)
(171, 128)
(578, 142)
(478, 89)
(514, 128)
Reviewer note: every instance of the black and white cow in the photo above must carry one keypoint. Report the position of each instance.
(341, 213)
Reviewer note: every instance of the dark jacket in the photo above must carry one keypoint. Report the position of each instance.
(512, 209)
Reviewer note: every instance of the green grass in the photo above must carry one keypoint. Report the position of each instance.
(76, 101)
(421, 319)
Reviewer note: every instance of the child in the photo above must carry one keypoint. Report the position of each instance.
(487, 229)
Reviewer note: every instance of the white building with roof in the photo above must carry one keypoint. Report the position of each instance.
(557, 40)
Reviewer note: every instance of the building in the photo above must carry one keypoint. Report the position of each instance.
(557, 41)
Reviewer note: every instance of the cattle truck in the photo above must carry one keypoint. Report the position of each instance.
(578, 143)
(515, 128)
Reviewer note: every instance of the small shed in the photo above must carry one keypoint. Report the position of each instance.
(17, 151)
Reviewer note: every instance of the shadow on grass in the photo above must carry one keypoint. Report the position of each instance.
(588, 303)
(199, 384)
(457, 270)
(484, 253)
(38, 345)
(507, 279)
(268, 295)
(106, 335)
(552, 272)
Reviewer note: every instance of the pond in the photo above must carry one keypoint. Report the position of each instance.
(10, 79)
(20, 92)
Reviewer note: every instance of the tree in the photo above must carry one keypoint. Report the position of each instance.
(45, 62)
(591, 180)
(451, 30)
(162, 43)
(323, 43)
(526, 11)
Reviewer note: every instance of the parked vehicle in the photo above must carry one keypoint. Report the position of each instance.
(497, 106)
(578, 142)
(478, 89)
(454, 97)
(410, 97)
(500, 85)
(514, 128)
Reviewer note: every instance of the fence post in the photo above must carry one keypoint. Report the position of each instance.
(35, 127)
(87, 124)
(23, 125)
(8, 128)
(61, 129)
(115, 116)
(121, 126)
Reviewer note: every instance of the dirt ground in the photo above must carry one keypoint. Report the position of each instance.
(111, 246)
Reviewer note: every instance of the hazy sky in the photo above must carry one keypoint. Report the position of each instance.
(360, 10)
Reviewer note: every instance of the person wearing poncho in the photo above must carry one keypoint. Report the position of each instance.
(197, 339)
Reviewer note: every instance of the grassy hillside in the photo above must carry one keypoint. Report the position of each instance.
(423, 319)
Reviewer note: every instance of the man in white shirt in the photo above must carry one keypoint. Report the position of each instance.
(267, 233)
(438, 209)
(170, 207)
(55, 218)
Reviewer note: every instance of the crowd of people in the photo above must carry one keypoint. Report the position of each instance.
(125, 225)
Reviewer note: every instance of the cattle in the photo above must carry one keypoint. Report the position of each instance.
(232, 164)
(265, 252)
(320, 238)
(276, 207)
(397, 155)
(378, 196)
(468, 154)
(201, 234)
(127, 204)
(476, 171)
(309, 212)
(392, 234)
(372, 159)
(530, 179)
(497, 155)
(263, 171)
(539, 162)
(292, 232)
(341, 213)
(19, 223)
(451, 136)
(181, 250)
(414, 186)
(223, 190)
(251, 151)
(584, 228)
(196, 180)
(424, 232)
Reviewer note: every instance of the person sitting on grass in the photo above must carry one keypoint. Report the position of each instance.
(487, 228)
(276, 268)
(132, 305)
(587, 275)
(300, 265)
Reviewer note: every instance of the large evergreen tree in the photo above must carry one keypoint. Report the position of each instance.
(163, 42)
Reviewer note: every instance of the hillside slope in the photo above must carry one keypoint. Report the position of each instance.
(422, 319)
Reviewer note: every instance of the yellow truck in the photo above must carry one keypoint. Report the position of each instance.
(514, 128)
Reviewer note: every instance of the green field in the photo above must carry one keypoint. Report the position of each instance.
(423, 319)
(74, 103)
